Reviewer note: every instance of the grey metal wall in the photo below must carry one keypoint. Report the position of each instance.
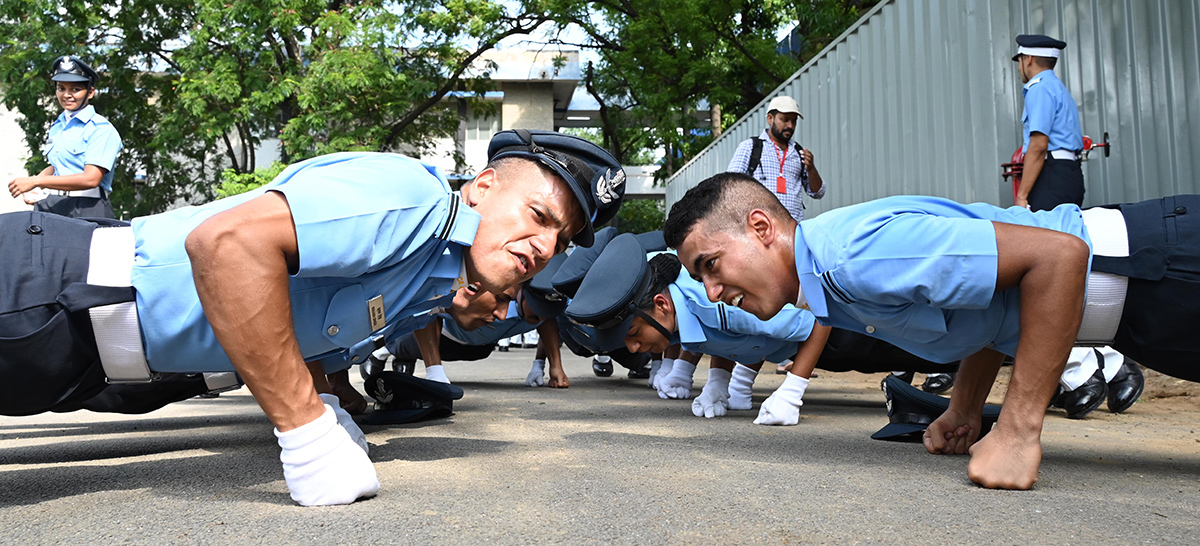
(921, 97)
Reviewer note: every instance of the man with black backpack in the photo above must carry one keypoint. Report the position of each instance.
(780, 163)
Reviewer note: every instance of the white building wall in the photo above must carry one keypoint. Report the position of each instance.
(13, 154)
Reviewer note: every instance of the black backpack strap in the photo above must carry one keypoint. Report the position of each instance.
(755, 156)
(799, 149)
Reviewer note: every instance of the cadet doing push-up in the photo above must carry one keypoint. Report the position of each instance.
(314, 266)
(948, 281)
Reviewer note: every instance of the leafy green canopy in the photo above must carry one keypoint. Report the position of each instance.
(195, 86)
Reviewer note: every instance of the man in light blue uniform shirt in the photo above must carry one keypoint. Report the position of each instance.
(334, 252)
(947, 281)
(655, 306)
(1051, 174)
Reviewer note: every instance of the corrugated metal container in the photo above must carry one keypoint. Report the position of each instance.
(922, 97)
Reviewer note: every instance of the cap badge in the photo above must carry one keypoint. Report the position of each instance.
(607, 186)
(66, 65)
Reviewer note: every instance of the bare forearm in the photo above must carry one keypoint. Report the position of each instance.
(86, 180)
(814, 180)
(240, 266)
(976, 374)
(429, 342)
(1035, 158)
(810, 351)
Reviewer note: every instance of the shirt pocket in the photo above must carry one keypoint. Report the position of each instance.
(347, 321)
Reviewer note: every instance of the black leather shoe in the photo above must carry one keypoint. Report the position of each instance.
(1085, 399)
(937, 383)
(502, 348)
(1126, 387)
(602, 369)
(640, 373)
(906, 377)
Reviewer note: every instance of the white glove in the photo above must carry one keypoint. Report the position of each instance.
(663, 371)
(741, 388)
(713, 400)
(678, 383)
(654, 366)
(346, 421)
(323, 466)
(783, 406)
(537, 374)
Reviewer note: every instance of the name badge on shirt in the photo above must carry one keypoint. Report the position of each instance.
(375, 311)
(780, 184)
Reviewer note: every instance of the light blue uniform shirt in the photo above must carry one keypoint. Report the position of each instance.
(367, 225)
(85, 139)
(1050, 110)
(918, 272)
(718, 329)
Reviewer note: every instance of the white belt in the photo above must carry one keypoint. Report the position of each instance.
(1064, 154)
(90, 192)
(1105, 291)
(118, 336)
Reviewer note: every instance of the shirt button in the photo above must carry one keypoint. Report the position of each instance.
(1180, 210)
(333, 330)
(34, 229)
(870, 329)
(756, 347)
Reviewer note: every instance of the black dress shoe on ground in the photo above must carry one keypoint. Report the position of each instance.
(906, 377)
(502, 348)
(602, 369)
(640, 373)
(1085, 399)
(1126, 387)
(937, 383)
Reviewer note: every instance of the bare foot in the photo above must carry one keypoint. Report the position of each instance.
(1003, 460)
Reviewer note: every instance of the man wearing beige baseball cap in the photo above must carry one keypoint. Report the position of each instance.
(780, 163)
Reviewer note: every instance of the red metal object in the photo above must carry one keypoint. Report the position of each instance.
(1016, 165)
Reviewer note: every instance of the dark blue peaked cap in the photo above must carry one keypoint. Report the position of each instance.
(540, 295)
(609, 292)
(1037, 41)
(595, 177)
(571, 273)
(652, 241)
(69, 68)
(911, 410)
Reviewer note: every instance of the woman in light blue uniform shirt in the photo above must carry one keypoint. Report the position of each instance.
(82, 150)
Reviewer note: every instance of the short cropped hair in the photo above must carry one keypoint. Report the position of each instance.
(512, 164)
(664, 270)
(1047, 63)
(724, 200)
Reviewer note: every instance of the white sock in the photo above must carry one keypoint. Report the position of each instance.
(741, 388)
(1081, 365)
(603, 359)
(436, 373)
(346, 421)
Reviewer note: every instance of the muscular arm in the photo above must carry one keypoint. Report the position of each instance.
(1051, 286)
(1035, 157)
(240, 262)
(549, 343)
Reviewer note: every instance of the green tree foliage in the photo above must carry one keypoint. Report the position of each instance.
(641, 215)
(663, 60)
(194, 87)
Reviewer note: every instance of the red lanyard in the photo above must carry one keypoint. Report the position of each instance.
(780, 181)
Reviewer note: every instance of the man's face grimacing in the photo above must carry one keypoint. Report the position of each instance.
(474, 308)
(740, 267)
(527, 216)
(782, 125)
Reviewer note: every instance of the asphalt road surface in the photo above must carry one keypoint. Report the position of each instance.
(604, 462)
